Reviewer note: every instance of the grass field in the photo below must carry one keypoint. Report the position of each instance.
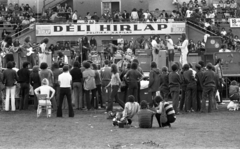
(22, 130)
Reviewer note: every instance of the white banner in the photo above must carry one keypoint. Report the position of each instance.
(234, 22)
(110, 29)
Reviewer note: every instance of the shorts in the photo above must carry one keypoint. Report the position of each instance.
(171, 55)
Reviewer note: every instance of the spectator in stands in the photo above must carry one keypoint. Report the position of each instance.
(134, 15)
(10, 8)
(156, 14)
(32, 19)
(147, 16)
(184, 9)
(75, 17)
(2, 7)
(164, 15)
(4, 34)
(125, 16)
(16, 7)
(95, 17)
(53, 16)
(191, 46)
(88, 16)
(18, 29)
(189, 13)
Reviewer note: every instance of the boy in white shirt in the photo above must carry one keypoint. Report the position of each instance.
(45, 89)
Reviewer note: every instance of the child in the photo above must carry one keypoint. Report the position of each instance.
(234, 91)
(174, 85)
(170, 113)
(131, 108)
(164, 83)
(44, 89)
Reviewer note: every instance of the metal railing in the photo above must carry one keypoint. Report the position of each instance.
(205, 30)
(23, 30)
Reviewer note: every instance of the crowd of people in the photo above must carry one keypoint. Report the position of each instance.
(16, 16)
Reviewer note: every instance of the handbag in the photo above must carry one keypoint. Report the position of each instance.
(163, 117)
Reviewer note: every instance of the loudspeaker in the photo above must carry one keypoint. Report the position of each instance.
(213, 44)
(162, 60)
(144, 62)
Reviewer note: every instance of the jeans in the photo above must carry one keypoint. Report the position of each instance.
(25, 94)
(90, 102)
(182, 101)
(175, 100)
(77, 89)
(105, 93)
(65, 92)
(56, 88)
(114, 94)
(208, 94)
(99, 91)
(170, 119)
(133, 89)
(31, 60)
(199, 100)
(190, 100)
(10, 91)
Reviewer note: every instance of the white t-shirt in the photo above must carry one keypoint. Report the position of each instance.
(16, 69)
(154, 43)
(221, 50)
(65, 80)
(44, 89)
(189, 13)
(170, 44)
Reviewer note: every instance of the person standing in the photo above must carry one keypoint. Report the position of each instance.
(164, 83)
(65, 81)
(199, 76)
(218, 71)
(89, 84)
(154, 80)
(174, 85)
(98, 85)
(184, 49)
(105, 76)
(35, 81)
(76, 74)
(133, 77)
(170, 48)
(115, 84)
(24, 80)
(75, 17)
(56, 72)
(9, 79)
(48, 74)
(208, 80)
(42, 54)
(139, 69)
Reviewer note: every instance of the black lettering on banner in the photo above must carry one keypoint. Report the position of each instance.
(58, 28)
(125, 27)
(136, 28)
(70, 28)
(79, 29)
(149, 27)
(103, 27)
(88, 27)
(162, 26)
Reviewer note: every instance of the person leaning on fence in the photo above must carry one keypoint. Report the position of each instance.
(45, 89)
(170, 113)
(145, 116)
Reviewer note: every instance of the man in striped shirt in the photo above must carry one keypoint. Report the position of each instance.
(171, 117)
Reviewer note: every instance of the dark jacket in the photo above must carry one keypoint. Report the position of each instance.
(189, 78)
(199, 76)
(209, 79)
(174, 81)
(76, 74)
(154, 81)
(164, 82)
(24, 75)
(35, 80)
(10, 77)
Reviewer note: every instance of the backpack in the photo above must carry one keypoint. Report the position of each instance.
(163, 117)
(89, 83)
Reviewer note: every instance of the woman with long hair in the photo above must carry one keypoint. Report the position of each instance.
(184, 49)
(42, 54)
(115, 84)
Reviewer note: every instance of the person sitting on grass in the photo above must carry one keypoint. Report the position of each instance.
(170, 113)
(44, 89)
(131, 108)
(145, 116)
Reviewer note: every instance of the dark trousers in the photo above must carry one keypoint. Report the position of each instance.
(56, 87)
(138, 92)
(170, 119)
(65, 92)
(31, 60)
(182, 101)
(105, 92)
(24, 96)
(133, 89)
(77, 89)
(175, 100)
(190, 98)
(208, 94)
(153, 94)
(114, 94)
(90, 102)
(199, 99)
(99, 91)
(164, 93)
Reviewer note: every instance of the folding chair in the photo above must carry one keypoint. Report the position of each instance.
(44, 102)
